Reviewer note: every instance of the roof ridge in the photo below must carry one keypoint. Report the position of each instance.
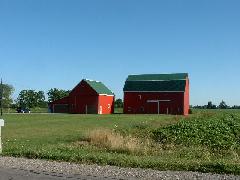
(100, 88)
(156, 74)
(161, 80)
(92, 80)
(158, 77)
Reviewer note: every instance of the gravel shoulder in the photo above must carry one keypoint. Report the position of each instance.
(78, 171)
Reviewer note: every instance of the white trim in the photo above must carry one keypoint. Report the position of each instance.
(100, 110)
(140, 96)
(105, 95)
(152, 91)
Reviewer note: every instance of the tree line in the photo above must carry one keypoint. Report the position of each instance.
(33, 99)
(30, 98)
(210, 105)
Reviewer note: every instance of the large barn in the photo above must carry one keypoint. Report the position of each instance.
(157, 94)
(88, 97)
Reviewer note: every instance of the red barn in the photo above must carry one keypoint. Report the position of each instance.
(88, 97)
(157, 94)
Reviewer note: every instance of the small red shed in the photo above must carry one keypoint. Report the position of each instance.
(157, 94)
(88, 97)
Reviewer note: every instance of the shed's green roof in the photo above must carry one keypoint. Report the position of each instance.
(156, 82)
(157, 77)
(99, 87)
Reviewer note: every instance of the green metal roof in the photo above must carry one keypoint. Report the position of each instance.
(156, 82)
(99, 87)
(157, 77)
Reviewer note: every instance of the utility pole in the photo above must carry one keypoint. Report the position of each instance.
(1, 97)
(1, 120)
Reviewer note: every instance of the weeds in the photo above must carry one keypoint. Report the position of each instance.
(113, 141)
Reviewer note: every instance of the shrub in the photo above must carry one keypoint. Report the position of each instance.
(190, 111)
(216, 132)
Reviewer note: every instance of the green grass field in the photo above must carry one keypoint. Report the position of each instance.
(207, 141)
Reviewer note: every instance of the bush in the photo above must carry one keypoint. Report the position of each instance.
(216, 132)
(190, 111)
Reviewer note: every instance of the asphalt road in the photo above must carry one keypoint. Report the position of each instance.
(21, 174)
(35, 169)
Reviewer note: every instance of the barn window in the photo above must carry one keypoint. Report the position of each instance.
(140, 96)
(109, 106)
(142, 109)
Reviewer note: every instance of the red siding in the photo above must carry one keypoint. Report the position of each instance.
(137, 103)
(83, 99)
(186, 99)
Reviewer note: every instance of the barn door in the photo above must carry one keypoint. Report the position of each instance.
(91, 109)
(60, 108)
(158, 106)
(152, 107)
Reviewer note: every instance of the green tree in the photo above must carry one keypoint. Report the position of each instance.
(210, 105)
(7, 95)
(55, 94)
(30, 99)
(223, 105)
(40, 96)
(118, 103)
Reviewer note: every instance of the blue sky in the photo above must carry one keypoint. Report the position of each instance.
(56, 43)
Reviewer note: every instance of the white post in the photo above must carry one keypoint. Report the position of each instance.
(1, 124)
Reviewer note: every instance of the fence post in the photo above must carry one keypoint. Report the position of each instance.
(1, 125)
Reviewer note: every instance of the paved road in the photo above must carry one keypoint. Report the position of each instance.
(35, 169)
(21, 174)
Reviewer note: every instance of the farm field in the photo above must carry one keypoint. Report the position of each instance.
(206, 141)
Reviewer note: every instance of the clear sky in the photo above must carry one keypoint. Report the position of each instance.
(56, 43)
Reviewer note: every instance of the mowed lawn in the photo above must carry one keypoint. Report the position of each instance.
(121, 140)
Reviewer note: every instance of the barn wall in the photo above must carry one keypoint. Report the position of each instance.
(83, 99)
(107, 104)
(83, 104)
(136, 103)
(83, 89)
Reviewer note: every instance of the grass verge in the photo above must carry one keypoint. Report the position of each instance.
(145, 141)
